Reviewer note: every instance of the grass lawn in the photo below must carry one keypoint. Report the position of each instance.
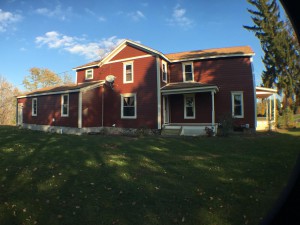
(90, 180)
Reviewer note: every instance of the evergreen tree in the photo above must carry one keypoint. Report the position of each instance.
(281, 52)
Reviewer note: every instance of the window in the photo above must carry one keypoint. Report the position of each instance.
(89, 74)
(188, 72)
(237, 104)
(128, 72)
(128, 106)
(189, 106)
(164, 71)
(34, 107)
(65, 105)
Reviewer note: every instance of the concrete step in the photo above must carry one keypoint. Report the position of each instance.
(171, 132)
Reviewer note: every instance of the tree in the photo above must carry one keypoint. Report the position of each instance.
(40, 78)
(8, 95)
(281, 50)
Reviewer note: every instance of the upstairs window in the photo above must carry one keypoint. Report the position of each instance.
(128, 72)
(164, 71)
(237, 104)
(65, 105)
(89, 74)
(189, 107)
(34, 107)
(188, 72)
(128, 106)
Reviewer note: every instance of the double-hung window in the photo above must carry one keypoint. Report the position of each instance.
(65, 105)
(34, 107)
(189, 106)
(164, 71)
(188, 71)
(128, 106)
(89, 74)
(237, 104)
(128, 72)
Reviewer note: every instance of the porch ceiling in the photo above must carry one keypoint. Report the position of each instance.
(262, 92)
(187, 87)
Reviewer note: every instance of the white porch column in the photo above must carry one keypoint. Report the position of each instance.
(80, 109)
(274, 108)
(212, 108)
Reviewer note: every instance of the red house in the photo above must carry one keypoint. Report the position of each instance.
(135, 86)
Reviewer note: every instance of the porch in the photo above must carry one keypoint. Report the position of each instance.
(265, 108)
(188, 108)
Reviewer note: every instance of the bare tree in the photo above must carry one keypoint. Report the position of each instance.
(8, 92)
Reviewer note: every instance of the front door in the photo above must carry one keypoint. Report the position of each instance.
(166, 110)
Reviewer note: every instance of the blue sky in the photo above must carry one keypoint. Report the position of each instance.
(62, 34)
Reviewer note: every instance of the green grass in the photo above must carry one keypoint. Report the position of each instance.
(64, 179)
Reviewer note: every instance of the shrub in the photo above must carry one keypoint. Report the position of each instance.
(226, 123)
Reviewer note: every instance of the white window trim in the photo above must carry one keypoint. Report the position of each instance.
(124, 72)
(32, 107)
(183, 71)
(122, 105)
(86, 72)
(194, 108)
(233, 93)
(62, 102)
(162, 71)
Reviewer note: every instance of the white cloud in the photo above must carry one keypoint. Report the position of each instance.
(92, 13)
(57, 12)
(137, 15)
(79, 46)
(179, 18)
(7, 19)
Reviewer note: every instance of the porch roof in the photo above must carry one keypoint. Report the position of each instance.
(63, 89)
(187, 87)
(263, 92)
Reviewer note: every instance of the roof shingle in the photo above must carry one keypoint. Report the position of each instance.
(214, 52)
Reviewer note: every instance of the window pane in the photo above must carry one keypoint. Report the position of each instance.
(128, 73)
(237, 110)
(237, 99)
(128, 77)
(128, 106)
(65, 109)
(128, 111)
(188, 76)
(66, 99)
(189, 111)
(189, 102)
(188, 68)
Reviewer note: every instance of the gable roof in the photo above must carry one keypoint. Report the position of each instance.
(211, 53)
(63, 89)
(174, 57)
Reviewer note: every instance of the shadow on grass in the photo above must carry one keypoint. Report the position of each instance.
(65, 179)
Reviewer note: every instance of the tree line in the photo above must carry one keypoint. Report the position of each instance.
(36, 79)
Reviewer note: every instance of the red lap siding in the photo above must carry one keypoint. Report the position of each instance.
(229, 74)
(49, 108)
